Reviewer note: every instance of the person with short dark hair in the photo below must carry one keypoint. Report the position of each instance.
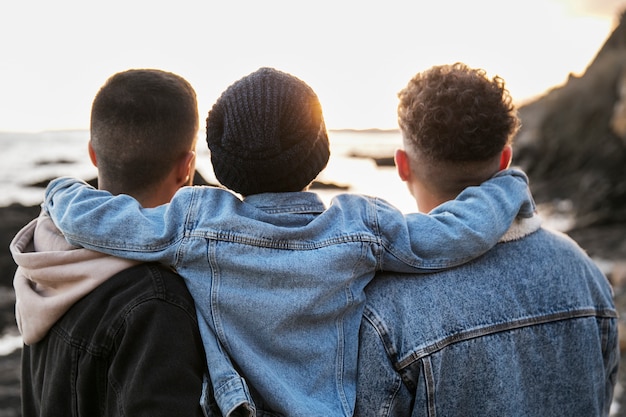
(528, 329)
(106, 336)
(143, 123)
(278, 277)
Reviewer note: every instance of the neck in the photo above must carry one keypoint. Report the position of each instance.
(148, 197)
(434, 183)
(428, 200)
(155, 199)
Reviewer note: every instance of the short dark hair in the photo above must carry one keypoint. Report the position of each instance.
(453, 113)
(142, 121)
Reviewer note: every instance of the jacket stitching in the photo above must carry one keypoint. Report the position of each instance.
(500, 327)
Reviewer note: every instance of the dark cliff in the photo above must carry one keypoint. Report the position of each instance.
(572, 142)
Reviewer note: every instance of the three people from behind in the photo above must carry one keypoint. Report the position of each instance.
(277, 277)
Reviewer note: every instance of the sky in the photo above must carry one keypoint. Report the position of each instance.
(356, 54)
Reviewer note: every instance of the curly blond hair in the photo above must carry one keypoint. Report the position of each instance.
(455, 113)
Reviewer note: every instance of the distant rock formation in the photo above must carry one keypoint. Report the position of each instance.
(572, 142)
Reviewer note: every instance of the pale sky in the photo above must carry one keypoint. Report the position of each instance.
(356, 54)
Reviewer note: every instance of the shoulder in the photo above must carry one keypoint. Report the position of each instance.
(150, 281)
(549, 262)
(205, 192)
(357, 204)
(349, 198)
(549, 245)
(202, 201)
(147, 289)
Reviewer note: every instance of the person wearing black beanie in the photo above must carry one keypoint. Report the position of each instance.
(266, 133)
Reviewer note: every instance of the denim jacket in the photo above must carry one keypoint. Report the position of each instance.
(527, 330)
(278, 279)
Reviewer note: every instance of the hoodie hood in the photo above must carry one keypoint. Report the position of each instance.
(52, 275)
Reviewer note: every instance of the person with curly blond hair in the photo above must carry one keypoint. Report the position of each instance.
(528, 329)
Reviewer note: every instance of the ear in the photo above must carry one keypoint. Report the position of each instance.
(92, 155)
(185, 168)
(506, 157)
(402, 164)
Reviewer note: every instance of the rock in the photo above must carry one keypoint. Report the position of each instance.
(572, 144)
(617, 275)
(618, 118)
(622, 336)
(12, 219)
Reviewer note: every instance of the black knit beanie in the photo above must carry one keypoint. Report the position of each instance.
(266, 133)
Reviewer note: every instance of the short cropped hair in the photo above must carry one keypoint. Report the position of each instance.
(142, 122)
(453, 113)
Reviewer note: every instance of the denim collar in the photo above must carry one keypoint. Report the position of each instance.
(291, 202)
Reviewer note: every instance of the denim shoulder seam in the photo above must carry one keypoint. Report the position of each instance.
(500, 327)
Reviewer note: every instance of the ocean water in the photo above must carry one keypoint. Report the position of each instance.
(27, 159)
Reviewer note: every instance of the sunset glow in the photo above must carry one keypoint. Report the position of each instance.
(355, 54)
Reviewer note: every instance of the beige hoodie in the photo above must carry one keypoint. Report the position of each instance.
(52, 275)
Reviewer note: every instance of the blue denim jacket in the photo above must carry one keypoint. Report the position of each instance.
(278, 279)
(529, 329)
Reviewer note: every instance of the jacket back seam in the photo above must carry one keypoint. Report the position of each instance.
(501, 327)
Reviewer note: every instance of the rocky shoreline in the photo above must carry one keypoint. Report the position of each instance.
(12, 218)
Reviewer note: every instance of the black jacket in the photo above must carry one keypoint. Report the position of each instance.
(129, 348)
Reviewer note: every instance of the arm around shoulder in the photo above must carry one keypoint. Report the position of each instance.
(460, 230)
(99, 221)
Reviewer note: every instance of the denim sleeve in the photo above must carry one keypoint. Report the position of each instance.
(459, 230)
(116, 225)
